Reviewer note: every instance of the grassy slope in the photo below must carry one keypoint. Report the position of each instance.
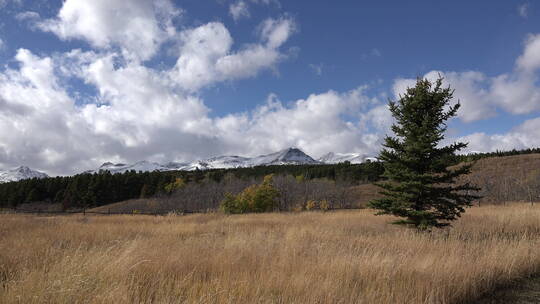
(310, 257)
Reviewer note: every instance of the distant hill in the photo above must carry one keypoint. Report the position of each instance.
(508, 178)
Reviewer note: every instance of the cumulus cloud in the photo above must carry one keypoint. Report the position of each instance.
(315, 124)
(139, 115)
(38, 117)
(142, 115)
(138, 27)
(523, 136)
(138, 112)
(529, 61)
(239, 10)
(206, 55)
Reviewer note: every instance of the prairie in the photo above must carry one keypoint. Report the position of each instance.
(306, 257)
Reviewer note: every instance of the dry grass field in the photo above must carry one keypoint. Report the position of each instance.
(309, 257)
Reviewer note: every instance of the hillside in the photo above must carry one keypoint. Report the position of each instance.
(508, 178)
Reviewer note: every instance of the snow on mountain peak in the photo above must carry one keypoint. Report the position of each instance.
(289, 156)
(336, 158)
(20, 173)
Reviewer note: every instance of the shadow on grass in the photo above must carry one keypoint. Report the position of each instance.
(526, 291)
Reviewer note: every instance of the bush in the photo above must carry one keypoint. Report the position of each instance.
(178, 183)
(324, 205)
(311, 205)
(255, 198)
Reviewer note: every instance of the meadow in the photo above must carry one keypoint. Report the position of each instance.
(305, 257)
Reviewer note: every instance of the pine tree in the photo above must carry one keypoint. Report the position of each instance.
(420, 187)
(32, 196)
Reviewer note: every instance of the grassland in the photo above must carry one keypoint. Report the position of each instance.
(308, 257)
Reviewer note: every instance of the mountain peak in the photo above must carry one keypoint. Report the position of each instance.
(294, 155)
(21, 169)
(19, 173)
(336, 158)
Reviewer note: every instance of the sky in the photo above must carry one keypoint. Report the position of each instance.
(85, 82)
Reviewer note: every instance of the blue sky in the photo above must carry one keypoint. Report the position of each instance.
(86, 82)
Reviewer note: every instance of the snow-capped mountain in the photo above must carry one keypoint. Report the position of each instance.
(222, 162)
(144, 166)
(290, 156)
(20, 173)
(353, 158)
(336, 158)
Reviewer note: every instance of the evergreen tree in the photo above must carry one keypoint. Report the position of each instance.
(32, 196)
(420, 186)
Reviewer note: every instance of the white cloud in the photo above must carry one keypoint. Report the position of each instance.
(523, 10)
(141, 115)
(138, 112)
(276, 31)
(39, 119)
(517, 92)
(27, 15)
(138, 27)
(314, 124)
(206, 55)
(239, 10)
(530, 59)
(523, 136)
(201, 48)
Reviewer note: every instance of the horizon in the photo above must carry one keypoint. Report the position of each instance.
(84, 83)
(191, 161)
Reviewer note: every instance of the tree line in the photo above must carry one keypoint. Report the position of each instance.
(258, 194)
(477, 156)
(98, 189)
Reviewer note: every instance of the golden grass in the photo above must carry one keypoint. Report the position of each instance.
(336, 257)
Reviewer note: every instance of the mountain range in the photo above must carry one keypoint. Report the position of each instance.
(289, 156)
